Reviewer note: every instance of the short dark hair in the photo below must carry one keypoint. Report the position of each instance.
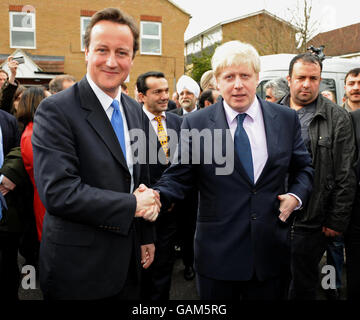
(117, 16)
(305, 57)
(353, 72)
(207, 95)
(56, 84)
(141, 80)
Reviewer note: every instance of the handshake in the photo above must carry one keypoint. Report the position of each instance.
(147, 203)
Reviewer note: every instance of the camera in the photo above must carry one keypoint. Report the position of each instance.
(318, 52)
(19, 60)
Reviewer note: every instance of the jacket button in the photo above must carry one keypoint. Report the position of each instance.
(253, 216)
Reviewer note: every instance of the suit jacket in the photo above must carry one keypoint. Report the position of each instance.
(89, 230)
(165, 220)
(10, 131)
(238, 231)
(178, 111)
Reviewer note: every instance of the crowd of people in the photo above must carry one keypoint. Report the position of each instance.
(97, 189)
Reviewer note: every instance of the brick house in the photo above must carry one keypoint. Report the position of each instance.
(266, 32)
(50, 36)
(343, 42)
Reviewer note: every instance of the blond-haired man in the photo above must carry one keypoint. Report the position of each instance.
(241, 244)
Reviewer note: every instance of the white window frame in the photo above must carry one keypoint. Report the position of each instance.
(159, 37)
(82, 31)
(23, 29)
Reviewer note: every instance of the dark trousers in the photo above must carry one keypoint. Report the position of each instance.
(352, 248)
(186, 213)
(212, 289)
(307, 249)
(156, 280)
(9, 270)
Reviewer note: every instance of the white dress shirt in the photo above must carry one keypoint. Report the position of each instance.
(153, 122)
(185, 112)
(255, 129)
(106, 102)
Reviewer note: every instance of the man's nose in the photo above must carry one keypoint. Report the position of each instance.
(111, 60)
(238, 83)
(306, 83)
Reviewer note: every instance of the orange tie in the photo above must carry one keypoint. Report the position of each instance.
(162, 136)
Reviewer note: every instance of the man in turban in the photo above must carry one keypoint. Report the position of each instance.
(188, 91)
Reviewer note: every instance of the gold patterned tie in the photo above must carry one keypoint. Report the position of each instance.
(162, 136)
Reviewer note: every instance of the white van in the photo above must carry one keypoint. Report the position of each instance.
(333, 72)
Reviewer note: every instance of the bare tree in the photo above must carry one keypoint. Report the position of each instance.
(302, 19)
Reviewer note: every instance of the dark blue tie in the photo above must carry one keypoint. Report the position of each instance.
(118, 125)
(242, 146)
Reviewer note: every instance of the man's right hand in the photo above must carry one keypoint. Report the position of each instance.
(147, 203)
(13, 65)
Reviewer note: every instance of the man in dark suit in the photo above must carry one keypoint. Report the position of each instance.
(10, 224)
(188, 91)
(85, 170)
(238, 153)
(153, 90)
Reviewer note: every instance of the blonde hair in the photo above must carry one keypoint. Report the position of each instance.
(235, 53)
(208, 80)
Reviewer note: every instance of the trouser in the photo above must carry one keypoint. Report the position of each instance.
(9, 270)
(186, 214)
(212, 289)
(352, 247)
(335, 257)
(156, 280)
(307, 249)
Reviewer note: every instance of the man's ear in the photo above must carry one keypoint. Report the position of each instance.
(86, 54)
(288, 80)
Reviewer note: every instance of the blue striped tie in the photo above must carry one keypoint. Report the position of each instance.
(242, 146)
(118, 125)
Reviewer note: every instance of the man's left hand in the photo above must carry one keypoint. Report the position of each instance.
(330, 232)
(147, 255)
(287, 205)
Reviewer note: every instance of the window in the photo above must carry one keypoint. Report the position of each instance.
(150, 38)
(22, 30)
(212, 38)
(84, 22)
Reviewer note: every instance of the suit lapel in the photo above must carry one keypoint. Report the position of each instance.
(99, 121)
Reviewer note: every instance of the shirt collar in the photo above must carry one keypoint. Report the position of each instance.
(252, 111)
(104, 99)
(151, 116)
(193, 110)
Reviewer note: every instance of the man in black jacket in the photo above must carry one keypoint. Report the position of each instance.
(328, 135)
(159, 125)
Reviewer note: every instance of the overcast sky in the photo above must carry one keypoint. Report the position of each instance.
(330, 14)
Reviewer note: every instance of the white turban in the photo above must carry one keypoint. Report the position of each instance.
(188, 83)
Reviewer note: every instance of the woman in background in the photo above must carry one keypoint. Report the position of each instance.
(28, 104)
